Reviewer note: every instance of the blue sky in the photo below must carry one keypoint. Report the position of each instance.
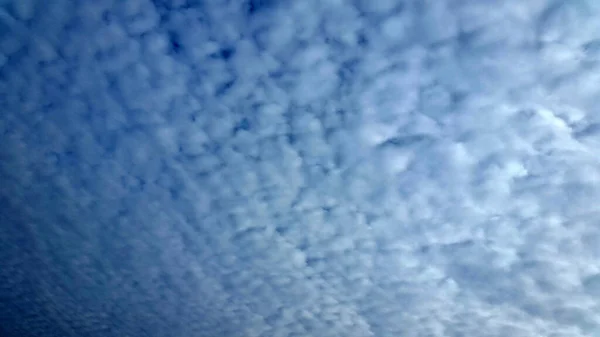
(299, 168)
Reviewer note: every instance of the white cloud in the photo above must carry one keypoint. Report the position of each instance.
(312, 168)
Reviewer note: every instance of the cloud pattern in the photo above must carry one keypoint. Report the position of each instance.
(300, 168)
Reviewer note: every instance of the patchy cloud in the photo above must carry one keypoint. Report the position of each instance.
(299, 168)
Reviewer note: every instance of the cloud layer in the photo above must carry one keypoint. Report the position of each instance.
(299, 168)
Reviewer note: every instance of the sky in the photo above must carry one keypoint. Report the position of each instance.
(280, 168)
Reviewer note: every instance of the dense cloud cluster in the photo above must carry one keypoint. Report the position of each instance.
(300, 168)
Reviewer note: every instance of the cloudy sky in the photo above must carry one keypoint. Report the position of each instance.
(279, 168)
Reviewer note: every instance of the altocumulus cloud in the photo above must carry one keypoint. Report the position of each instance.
(300, 168)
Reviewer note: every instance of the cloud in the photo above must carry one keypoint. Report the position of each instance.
(329, 168)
